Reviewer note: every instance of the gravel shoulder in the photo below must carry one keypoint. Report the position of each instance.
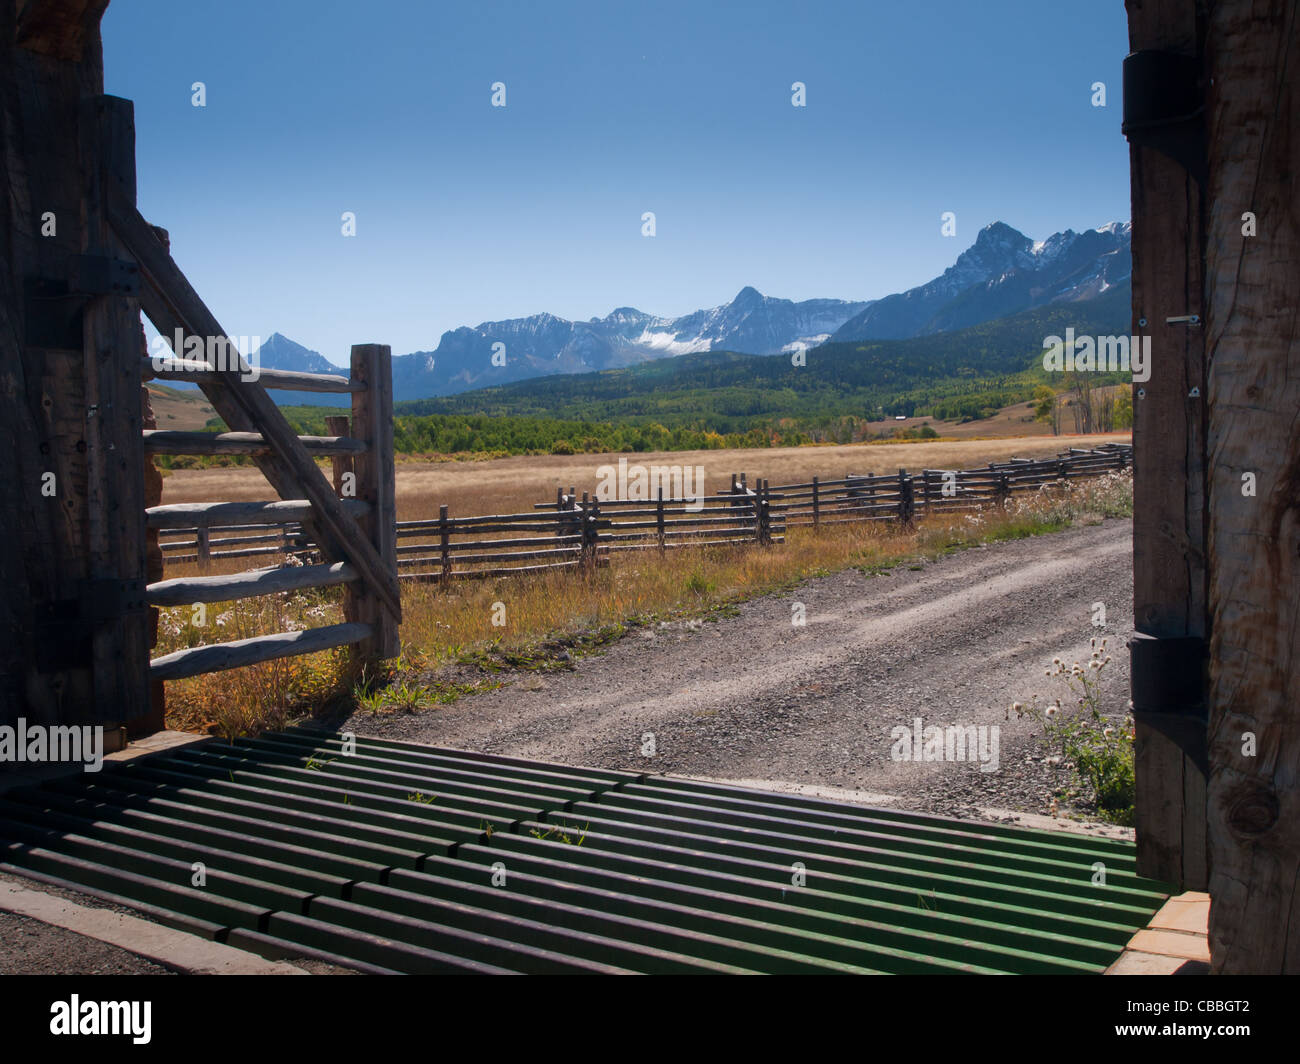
(755, 697)
(31, 947)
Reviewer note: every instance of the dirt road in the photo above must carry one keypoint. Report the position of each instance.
(757, 697)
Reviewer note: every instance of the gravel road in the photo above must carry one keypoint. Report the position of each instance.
(754, 697)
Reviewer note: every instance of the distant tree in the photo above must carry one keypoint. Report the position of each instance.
(1124, 408)
(1044, 403)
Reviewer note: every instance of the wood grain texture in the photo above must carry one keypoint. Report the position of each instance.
(49, 64)
(372, 422)
(1170, 579)
(186, 590)
(181, 369)
(177, 441)
(1254, 341)
(243, 652)
(192, 515)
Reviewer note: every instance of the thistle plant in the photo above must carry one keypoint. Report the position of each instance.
(1100, 750)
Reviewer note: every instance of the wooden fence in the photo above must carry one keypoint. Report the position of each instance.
(581, 533)
(364, 495)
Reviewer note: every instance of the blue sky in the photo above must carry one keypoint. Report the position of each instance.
(467, 212)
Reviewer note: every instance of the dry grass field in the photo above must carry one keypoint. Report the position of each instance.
(507, 485)
(174, 409)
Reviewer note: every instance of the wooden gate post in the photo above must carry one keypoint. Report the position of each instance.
(372, 423)
(1169, 570)
(1253, 277)
(114, 422)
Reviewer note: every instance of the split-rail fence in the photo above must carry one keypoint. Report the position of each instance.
(578, 533)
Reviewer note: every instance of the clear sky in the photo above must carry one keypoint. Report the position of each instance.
(467, 212)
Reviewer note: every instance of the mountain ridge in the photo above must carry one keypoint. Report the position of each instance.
(1002, 273)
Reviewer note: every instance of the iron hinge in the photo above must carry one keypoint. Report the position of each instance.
(1164, 107)
(65, 627)
(1167, 677)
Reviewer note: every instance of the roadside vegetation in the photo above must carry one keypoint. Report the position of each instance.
(1097, 745)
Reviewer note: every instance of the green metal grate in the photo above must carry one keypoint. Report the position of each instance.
(403, 858)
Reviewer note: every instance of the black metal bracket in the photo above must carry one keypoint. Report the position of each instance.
(99, 275)
(1164, 108)
(1167, 677)
(54, 304)
(65, 627)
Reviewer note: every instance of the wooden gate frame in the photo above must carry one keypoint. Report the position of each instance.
(74, 602)
(1212, 114)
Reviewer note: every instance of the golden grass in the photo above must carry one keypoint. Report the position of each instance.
(509, 485)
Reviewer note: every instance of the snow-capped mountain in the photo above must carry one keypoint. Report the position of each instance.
(544, 344)
(1002, 273)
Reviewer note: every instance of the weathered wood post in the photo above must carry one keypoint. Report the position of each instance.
(906, 500)
(816, 503)
(203, 547)
(1170, 581)
(763, 501)
(444, 546)
(1253, 340)
(659, 517)
(372, 424)
(590, 513)
(340, 464)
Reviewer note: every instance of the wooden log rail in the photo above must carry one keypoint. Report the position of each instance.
(366, 455)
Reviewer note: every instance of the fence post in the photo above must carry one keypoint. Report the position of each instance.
(372, 423)
(340, 464)
(906, 499)
(659, 517)
(444, 546)
(590, 512)
(763, 501)
(203, 544)
(817, 505)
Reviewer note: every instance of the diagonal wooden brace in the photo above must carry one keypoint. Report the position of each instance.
(170, 301)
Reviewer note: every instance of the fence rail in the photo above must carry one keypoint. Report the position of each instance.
(362, 451)
(580, 533)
